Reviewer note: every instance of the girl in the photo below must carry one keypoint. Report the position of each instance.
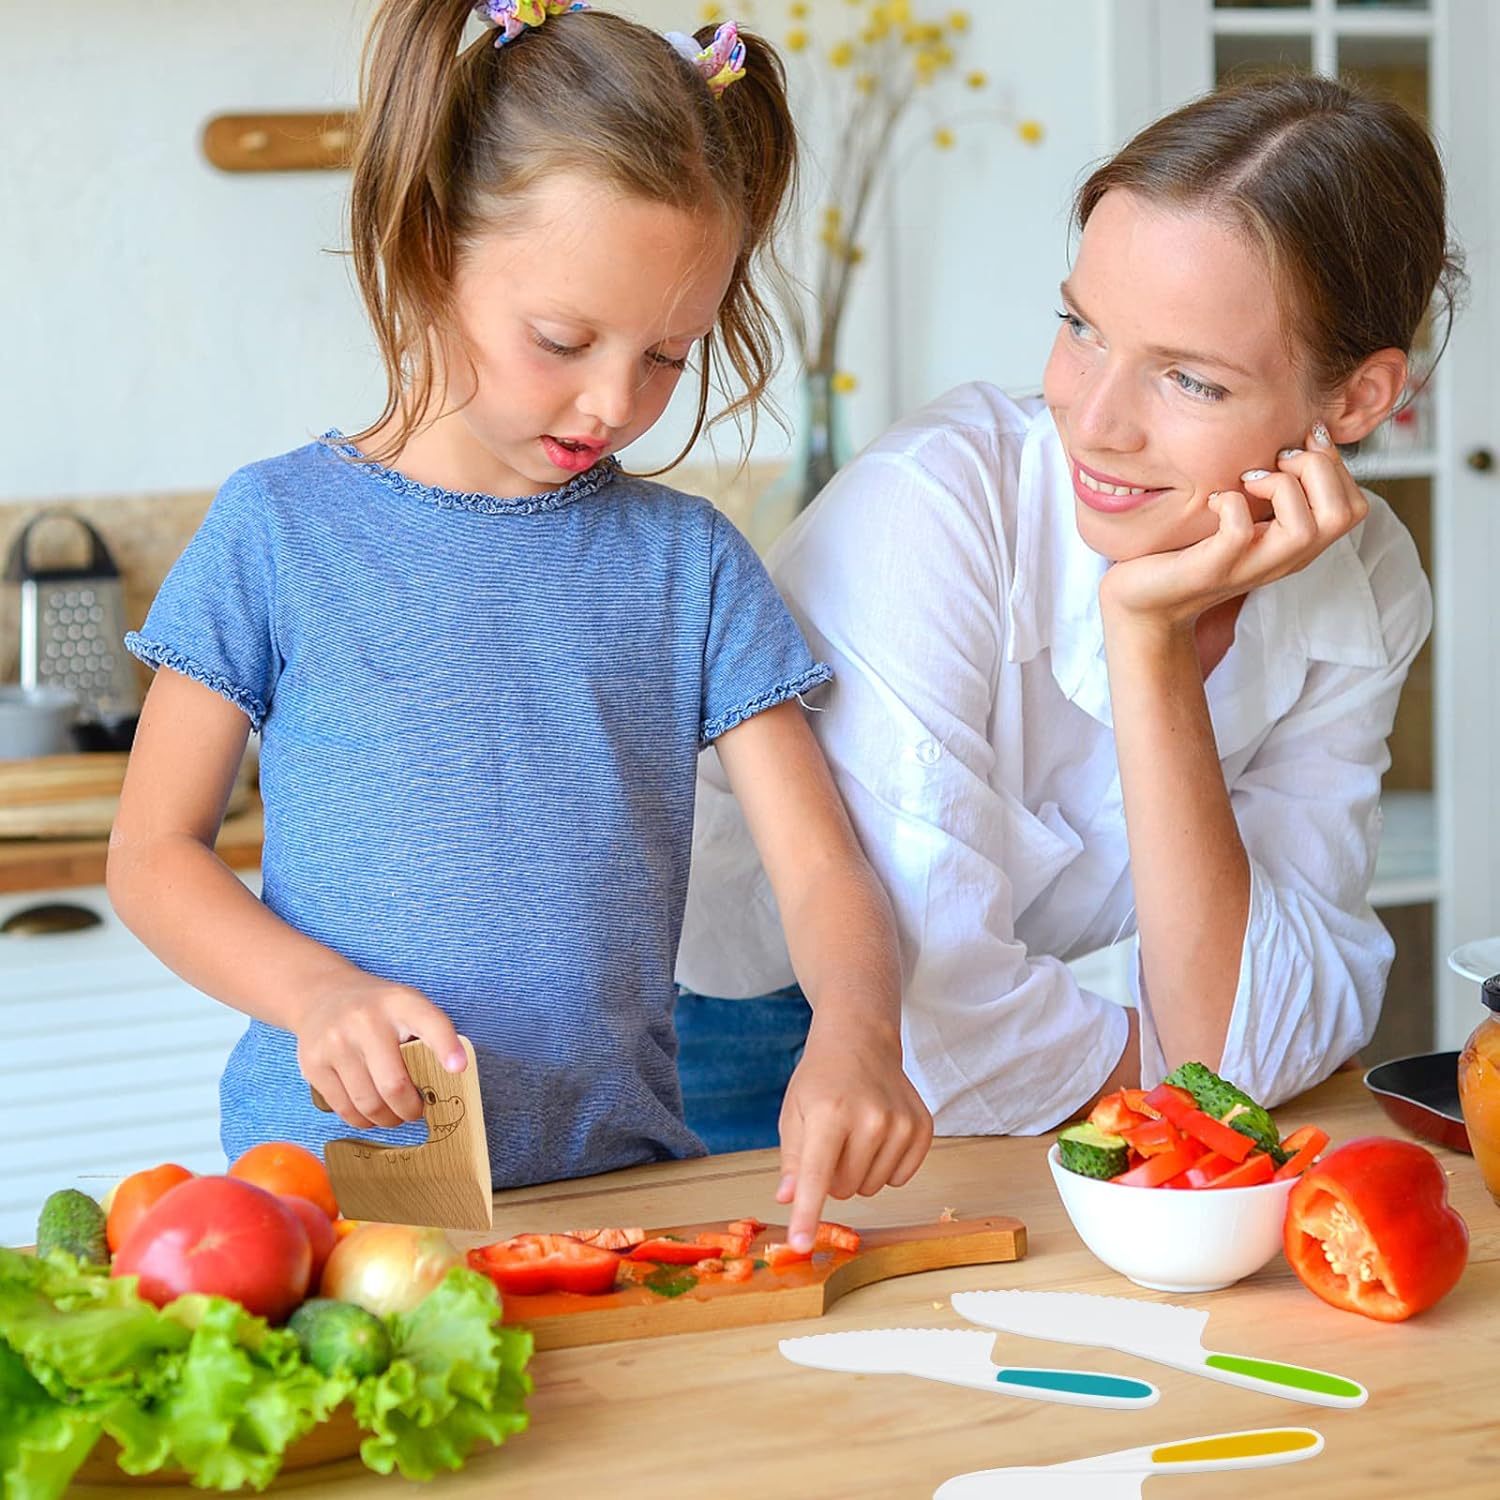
(483, 659)
(1125, 658)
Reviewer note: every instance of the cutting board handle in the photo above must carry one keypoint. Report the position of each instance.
(905, 1249)
(443, 1182)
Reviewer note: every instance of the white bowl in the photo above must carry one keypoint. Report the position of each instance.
(1171, 1240)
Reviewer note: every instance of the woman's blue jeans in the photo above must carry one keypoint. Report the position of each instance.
(735, 1059)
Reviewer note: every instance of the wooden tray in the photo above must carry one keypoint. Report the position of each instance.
(805, 1289)
(77, 796)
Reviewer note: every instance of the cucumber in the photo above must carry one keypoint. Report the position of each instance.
(340, 1337)
(72, 1221)
(1092, 1152)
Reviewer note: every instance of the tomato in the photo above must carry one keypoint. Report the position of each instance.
(530, 1264)
(1302, 1148)
(222, 1236)
(672, 1252)
(319, 1227)
(1369, 1229)
(281, 1167)
(132, 1197)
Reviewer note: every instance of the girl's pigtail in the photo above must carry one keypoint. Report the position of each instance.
(400, 225)
(759, 125)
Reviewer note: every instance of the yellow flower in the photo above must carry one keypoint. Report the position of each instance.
(833, 216)
(797, 11)
(865, 83)
(1030, 131)
(710, 13)
(854, 254)
(843, 382)
(926, 67)
(977, 79)
(796, 40)
(942, 138)
(958, 20)
(841, 54)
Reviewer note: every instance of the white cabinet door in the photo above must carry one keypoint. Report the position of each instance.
(108, 1062)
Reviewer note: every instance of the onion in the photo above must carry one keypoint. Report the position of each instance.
(386, 1268)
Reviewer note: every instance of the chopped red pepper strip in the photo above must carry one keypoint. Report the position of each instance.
(1156, 1170)
(531, 1264)
(831, 1236)
(1178, 1106)
(1152, 1138)
(1302, 1148)
(778, 1255)
(1252, 1172)
(672, 1252)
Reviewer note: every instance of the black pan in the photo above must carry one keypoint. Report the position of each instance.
(1421, 1095)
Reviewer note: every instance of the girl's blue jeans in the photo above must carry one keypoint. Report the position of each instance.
(735, 1059)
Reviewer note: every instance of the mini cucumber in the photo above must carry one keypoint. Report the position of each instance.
(1092, 1152)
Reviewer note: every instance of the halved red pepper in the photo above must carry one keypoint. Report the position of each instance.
(1301, 1148)
(1156, 1170)
(1177, 1106)
(530, 1264)
(1369, 1229)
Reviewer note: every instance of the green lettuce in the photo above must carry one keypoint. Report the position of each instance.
(204, 1386)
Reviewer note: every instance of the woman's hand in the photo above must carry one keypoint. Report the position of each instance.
(349, 1037)
(1314, 501)
(851, 1122)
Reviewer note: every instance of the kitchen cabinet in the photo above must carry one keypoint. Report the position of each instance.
(108, 1061)
(1439, 883)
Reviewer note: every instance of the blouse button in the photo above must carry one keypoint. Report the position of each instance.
(929, 752)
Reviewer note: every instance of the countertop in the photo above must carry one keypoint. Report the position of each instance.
(40, 864)
(724, 1413)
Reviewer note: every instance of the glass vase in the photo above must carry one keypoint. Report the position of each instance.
(819, 447)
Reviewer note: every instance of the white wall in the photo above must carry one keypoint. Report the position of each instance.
(165, 322)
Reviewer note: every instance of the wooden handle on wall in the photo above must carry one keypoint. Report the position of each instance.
(280, 142)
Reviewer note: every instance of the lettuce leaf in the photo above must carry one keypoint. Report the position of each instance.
(204, 1386)
(457, 1376)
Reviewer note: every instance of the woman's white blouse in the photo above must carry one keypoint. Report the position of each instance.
(968, 725)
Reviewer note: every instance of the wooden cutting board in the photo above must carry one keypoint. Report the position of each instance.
(805, 1289)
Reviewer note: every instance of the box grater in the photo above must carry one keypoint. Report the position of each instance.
(73, 626)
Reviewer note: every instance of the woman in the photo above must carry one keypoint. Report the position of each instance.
(1124, 659)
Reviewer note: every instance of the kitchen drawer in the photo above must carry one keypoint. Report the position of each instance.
(108, 1062)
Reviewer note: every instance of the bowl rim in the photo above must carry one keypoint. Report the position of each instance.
(1054, 1160)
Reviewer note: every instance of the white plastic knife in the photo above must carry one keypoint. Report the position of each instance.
(1119, 1476)
(961, 1356)
(1158, 1331)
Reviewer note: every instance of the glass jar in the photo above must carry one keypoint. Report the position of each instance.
(1479, 1088)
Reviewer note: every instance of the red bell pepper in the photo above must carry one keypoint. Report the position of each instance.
(673, 1252)
(1177, 1106)
(1114, 1115)
(1152, 1138)
(1302, 1148)
(531, 1264)
(1369, 1229)
(1252, 1172)
(831, 1236)
(778, 1255)
(1156, 1170)
(1205, 1169)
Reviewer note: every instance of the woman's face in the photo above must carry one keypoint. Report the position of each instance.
(1171, 375)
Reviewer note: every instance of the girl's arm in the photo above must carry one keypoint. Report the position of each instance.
(851, 1122)
(192, 911)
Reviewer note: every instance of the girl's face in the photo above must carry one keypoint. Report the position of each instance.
(578, 326)
(1171, 375)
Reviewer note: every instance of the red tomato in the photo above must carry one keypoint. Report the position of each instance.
(225, 1237)
(530, 1264)
(1369, 1229)
(320, 1232)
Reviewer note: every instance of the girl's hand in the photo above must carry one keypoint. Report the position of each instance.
(348, 1047)
(851, 1123)
(1314, 501)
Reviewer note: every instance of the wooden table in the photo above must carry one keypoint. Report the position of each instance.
(724, 1414)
